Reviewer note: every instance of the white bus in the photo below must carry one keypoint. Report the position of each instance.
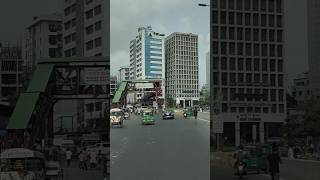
(22, 164)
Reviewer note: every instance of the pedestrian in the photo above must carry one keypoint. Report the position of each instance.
(274, 161)
(81, 160)
(68, 157)
(85, 156)
(93, 159)
(290, 153)
(195, 113)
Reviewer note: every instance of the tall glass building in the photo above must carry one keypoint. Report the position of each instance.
(147, 54)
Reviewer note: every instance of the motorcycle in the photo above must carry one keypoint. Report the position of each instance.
(241, 170)
(185, 115)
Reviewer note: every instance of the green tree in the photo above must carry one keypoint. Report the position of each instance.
(170, 102)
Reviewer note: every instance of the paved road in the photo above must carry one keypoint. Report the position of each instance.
(73, 172)
(289, 170)
(168, 150)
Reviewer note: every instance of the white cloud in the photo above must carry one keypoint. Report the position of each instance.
(118, 59)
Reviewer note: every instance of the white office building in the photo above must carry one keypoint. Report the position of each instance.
(182, 68)
(42, 40)
(123, 74)
(247, 69)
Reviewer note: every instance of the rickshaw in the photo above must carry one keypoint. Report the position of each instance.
(187, 113)
(116, 117)
(147, 117)
(256, 159)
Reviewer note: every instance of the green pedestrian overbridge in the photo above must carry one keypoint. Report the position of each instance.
(74, 78)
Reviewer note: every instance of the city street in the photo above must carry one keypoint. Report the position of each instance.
(170, 149)
(73, 172)
(289, 170)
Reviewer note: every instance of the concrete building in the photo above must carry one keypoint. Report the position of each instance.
(146, 54)
(301, 87)
(113, 85)
(247, 69)
(85, 33)
(42, 40)
(11, 72)
(146, 58)
(123, 74)
(313, 16)
(208, 70)
(182, 68)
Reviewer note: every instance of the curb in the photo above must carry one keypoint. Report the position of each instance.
(301, 160)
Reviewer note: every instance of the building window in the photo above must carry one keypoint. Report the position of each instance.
(231, 17)
(272, 51)
(265, 79)
(264, 35)
(89, 1)
(73, 51)
(271, 20)
(273, 95)
(271, 35)
(223, 17)
(263, 20)
(280, 95)
(215, 63)
(52, 52)
(239, 18)
(224, 63)
(98, 106)
(231, 33)
(247, 19)
(248, 49)
(265, 110)
(264, 50)
(52, 28)
(264, 64)
(231, 4)
(67, 53)
(280, 80)
(232, 48)
(248, 64)
(73, 37)
(279, 50)
(239, 33)
(73, 22)
(232, 79)
(223, 33)
(52, 39)
(90, 107)
(248, 34)
(215, 32)
(279, 6)
(256, 65)
(97, 10)
(240, 48)
(240, 77)
(247, 5)
(67, 25)
(97, 42)
(223, 4)
(97, 26)
(240, 64)
(256, 50)
(73, 8)
(274, 108)
(67, 11)
(224, 48)
(280, 65)
(271, 5)
(89, 45)
(89, 14)
(255, 5)
(263, 5)
(215, 17)
(89, 29)
(232, 64)
(215, 47)
(279, 35)
(239, 4)
(281, 108)
(273, 80)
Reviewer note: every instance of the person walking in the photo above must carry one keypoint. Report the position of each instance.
(274, 161)
(81, 160)
(85, 159)
(68, 157)
(195, 113)
(93, 159)
(290, 153)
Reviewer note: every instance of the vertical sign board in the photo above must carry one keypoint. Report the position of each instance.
(254, 133)
(95, 77)
(217, 124)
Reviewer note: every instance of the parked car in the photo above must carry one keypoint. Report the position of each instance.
(54, 171)
(167, 115)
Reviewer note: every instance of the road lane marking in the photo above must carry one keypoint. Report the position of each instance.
(204, 120)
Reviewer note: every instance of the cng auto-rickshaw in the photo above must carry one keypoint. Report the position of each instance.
(187, 113)
(116, 117)
(147, 117)
(256, 159)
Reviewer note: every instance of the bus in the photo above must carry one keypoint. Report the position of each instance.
(21, 163)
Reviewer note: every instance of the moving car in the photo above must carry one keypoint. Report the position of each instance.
(168, 115)
(147, 117)
(54, 171)
(116, 117)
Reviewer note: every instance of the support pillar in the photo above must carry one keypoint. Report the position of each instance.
(262, 133)
(191, 103)
(237, 133)
(184, 103)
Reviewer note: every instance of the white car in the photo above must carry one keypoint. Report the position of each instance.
(54, 170)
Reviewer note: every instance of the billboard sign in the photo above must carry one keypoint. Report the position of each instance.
(144, 85)
(95, 77)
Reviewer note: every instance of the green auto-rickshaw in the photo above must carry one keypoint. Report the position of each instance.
(187, 113)
(256, 157)
(147, 117)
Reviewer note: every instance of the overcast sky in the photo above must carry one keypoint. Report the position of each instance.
(16, 15)
(165, 16)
